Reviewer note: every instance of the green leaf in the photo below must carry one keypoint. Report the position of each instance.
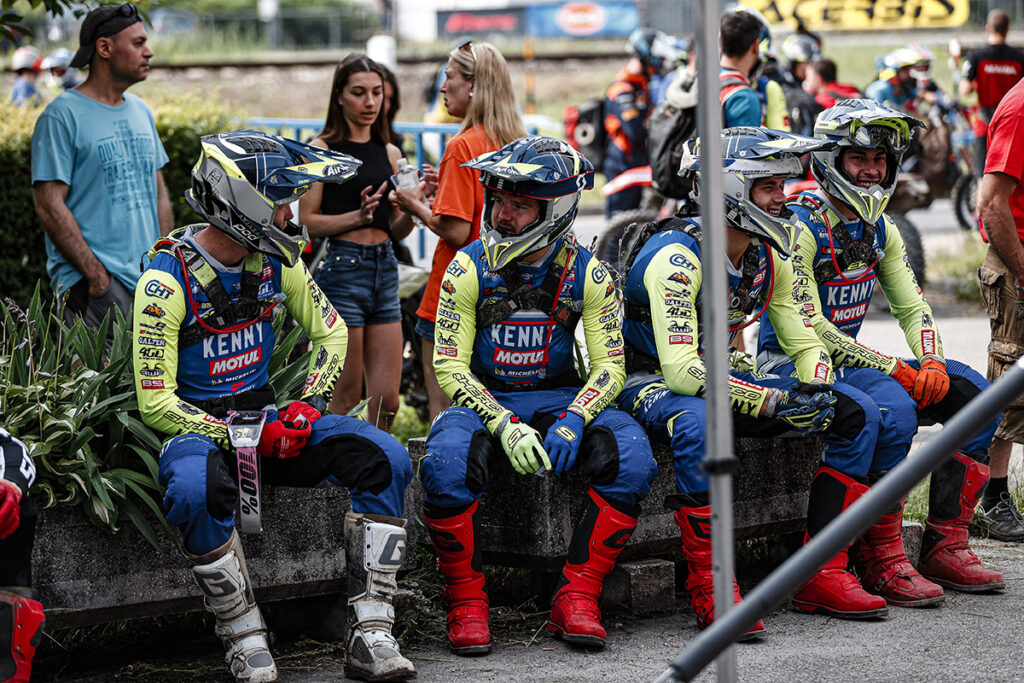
(140, 430)
(136, 517)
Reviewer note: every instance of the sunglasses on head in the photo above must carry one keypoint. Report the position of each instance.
(466, 45)
(126, 11)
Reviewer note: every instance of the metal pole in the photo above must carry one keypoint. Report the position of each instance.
(848, 526)
(718, 458)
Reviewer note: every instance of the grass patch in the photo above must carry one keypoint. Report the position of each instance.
(960, 266)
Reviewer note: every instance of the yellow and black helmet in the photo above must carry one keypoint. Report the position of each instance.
(243, 176)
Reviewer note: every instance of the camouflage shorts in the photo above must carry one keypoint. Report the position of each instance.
(1006, 319)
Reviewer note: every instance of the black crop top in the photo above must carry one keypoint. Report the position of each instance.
(375, 170)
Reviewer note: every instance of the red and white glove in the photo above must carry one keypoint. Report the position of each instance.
(10, 508)
(286, 436)
(906, 375)
(932, 382)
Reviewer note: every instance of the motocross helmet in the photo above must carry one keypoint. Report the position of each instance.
(541, 168)
(27, 59)
(58, 59)
(863, 124)
(650, 46)
(798, 48)
(242, 177)
(749, 154)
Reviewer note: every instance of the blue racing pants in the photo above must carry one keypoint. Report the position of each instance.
(614, 452)
(202, 485)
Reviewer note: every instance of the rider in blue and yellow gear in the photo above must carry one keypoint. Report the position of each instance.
(505, 353)
(666, 383)
(202, 342)
(847, 244)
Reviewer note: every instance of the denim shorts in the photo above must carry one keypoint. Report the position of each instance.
(424, 328)
(361, 280)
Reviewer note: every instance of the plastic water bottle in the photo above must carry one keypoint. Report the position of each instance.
(409, 179)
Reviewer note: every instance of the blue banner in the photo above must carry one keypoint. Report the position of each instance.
(581, 19)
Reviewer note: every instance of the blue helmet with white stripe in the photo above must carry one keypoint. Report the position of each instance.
(749, 154)
(541, 168)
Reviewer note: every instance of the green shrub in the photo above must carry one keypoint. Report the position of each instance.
(76, 410)
(180, 123)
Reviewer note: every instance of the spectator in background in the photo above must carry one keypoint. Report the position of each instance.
(359, 274)
(821, 82)
(741, 33)
(392, 103)
(478, 89)
(58, 63)
(1001, 206)
(626, 108)
(990, 71)
(27, 62)
(96, 160)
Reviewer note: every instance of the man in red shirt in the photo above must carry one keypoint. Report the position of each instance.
(990, 71)
(1001, 205)
(821, 82)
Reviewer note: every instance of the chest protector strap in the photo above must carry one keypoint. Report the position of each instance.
(225, 315)
(543, 298)
(742, 298)
(845, 251)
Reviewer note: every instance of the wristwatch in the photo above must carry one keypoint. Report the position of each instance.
(317, 402)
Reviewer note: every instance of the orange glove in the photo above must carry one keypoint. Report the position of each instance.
(932, 382)
(905, 375)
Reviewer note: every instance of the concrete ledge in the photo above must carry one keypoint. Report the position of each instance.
(528, 521)
(85, 575)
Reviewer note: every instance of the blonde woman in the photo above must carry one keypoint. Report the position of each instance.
(477, 89)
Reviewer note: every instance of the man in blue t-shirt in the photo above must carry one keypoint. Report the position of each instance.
(96, 160)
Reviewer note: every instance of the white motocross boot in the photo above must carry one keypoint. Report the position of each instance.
(227, 591)
(374, 548)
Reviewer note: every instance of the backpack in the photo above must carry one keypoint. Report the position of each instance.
(668, 129)
(584, 129)
(803, 109)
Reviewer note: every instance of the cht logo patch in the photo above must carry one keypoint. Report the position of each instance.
(158, 289)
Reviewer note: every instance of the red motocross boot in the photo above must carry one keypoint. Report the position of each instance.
(946, 559)
(21, 621)
(596, 542)
(695, 525)
(888, 572)
(833, 590)
(465, 587)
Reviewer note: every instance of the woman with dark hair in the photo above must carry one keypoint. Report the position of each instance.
(392, 102)
(359, 274)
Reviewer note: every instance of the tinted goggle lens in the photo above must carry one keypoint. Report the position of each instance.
(878, 136)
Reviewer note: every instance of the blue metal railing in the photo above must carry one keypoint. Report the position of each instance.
(303, 129)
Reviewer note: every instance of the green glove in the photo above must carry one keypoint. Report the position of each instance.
(522, 444)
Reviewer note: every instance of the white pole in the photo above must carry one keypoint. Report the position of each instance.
(718, 459)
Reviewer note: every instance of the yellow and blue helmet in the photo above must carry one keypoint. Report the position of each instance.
(749, 154)
(241, 178)
(864, 124)
(541, 168)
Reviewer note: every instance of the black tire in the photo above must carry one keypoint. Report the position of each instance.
(965, 202)
(608, 246)
(912, 243)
